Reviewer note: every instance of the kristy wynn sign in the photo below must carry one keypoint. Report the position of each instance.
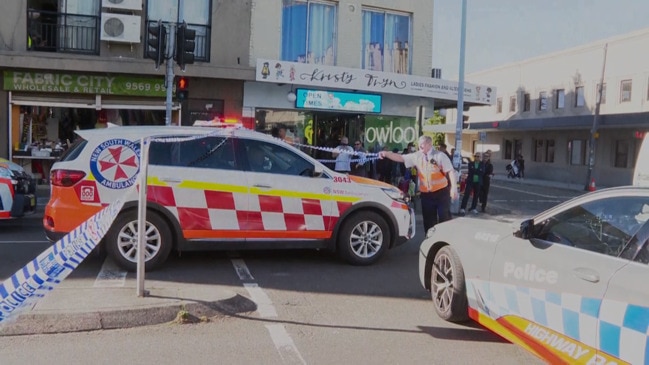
(366, 80)
(54, 82)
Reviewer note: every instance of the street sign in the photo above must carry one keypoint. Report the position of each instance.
(482, 136)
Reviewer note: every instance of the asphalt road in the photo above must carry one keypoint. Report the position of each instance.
(312, 308)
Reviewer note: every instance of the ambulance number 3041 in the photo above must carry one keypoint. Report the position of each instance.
(342, 179)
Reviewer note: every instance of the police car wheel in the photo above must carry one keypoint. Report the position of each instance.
(448, 288)
(364, 238)
(121, 240)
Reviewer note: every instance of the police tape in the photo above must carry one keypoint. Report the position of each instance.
(54, 264)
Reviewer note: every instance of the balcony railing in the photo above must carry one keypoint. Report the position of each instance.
(62, 32)
(203, 40)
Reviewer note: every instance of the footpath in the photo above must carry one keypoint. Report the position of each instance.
(79, 304)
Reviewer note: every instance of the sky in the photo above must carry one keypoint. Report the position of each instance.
(505, 31)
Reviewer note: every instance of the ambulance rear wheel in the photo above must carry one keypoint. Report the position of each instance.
(122, 241)
(364, 238)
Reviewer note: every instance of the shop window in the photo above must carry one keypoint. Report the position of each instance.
(549, 150)
(538, 150)
(577, 151)
(512, 104)
(622, 153)
(386, 43)
(63, 26)
(602, 99)
(526, 102)
(196, 14)
(508, 150)
(309, 31)
(203, 109)
(625, 91)
(543, 101)
(579, 97)
(559, 99)
(499, 105)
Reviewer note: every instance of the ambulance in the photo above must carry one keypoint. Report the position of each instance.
(227, 189)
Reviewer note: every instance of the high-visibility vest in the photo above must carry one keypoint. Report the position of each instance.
(431, 176)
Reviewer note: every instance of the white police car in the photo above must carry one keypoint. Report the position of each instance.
(567, 285)
(227, 188)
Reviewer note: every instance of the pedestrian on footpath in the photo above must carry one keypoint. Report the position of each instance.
(473, 184)
(432, 169)
(343, 155)
(486, 179)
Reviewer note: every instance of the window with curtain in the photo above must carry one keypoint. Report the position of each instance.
(196, 13)
(309, 31)
(386, 42)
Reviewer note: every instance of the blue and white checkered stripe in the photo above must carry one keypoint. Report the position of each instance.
(623, 329)
(54, 264)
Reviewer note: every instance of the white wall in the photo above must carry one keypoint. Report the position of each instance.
(626, 59)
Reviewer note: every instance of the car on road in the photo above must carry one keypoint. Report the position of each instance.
(567, 284)
(17, 191)
(224, 188)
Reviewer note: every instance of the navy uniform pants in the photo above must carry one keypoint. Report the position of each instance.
(435, 207)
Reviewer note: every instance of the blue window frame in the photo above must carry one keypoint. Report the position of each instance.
(309, 31)
(386, 42)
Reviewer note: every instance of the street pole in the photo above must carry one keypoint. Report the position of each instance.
(593, 130)
(457, 156)
(169, 79)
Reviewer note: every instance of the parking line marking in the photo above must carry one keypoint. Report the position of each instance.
(241, 269)
(265, 306)
(525, 191)
(284, 344)
(110, 276)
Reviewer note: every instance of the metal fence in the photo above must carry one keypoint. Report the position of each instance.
(61, 32)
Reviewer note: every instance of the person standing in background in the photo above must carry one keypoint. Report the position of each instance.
(359, 168)
(486, 180)
(473, 184)
(343, 155)
(521, 166)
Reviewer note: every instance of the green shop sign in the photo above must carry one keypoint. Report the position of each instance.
(54, 82)
(393, 132)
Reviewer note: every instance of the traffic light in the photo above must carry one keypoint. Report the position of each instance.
(182, 88)
(185, 45)
(157, 41)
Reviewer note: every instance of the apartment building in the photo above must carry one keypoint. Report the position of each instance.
(320, 68)
(546, 107)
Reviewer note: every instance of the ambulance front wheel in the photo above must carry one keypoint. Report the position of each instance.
(122, 240)
(364, 238)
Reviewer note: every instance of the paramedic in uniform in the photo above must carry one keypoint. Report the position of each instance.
(433, 168)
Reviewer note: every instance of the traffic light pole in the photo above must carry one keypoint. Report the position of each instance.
(169, 77)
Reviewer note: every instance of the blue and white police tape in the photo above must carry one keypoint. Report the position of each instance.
(54, 264)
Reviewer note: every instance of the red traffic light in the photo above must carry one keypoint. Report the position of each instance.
(182, 84)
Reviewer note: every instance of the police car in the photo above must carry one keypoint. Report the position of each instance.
(226, 188)
(565, 285)
(17, 189)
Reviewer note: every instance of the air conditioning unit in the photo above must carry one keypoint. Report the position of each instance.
(122, 4)
(120, 28)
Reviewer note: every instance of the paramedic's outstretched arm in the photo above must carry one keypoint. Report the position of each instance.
(391, 155)
(452, 176)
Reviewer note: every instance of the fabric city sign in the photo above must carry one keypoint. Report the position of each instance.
(56, 82)
(366, 80)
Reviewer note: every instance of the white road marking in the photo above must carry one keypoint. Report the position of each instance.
(110, 276)
(265, 306)
(284, 344)
(527, 201)
(525, 191)
(282, 340)
(241, 269)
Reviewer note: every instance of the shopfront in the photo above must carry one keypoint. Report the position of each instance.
(44, 109)
(319, 104)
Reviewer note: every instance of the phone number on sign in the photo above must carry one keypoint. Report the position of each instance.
(143, 86)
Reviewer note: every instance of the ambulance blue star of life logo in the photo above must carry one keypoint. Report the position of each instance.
(115, 163)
